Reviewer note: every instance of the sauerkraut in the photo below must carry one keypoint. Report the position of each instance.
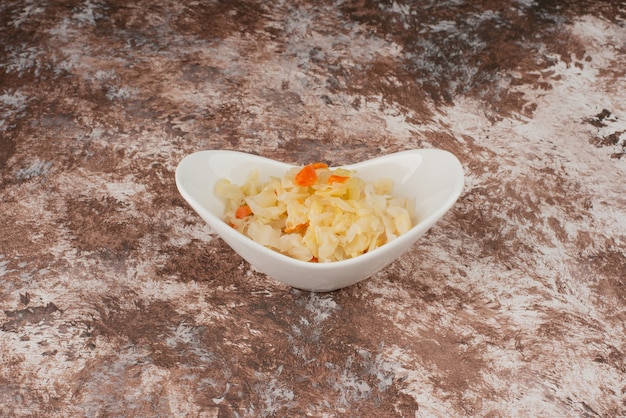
(314, 213)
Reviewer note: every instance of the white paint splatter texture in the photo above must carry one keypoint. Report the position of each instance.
(117, 300)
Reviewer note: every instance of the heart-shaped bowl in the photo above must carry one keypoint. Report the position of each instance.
(432, 178)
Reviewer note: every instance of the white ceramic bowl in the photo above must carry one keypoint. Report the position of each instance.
(432, 177)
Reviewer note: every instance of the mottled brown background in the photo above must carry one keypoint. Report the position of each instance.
(117, 300)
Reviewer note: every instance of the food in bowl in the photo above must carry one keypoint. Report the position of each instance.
(315, 213)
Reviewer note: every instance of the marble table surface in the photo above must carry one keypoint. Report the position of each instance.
(117, 300)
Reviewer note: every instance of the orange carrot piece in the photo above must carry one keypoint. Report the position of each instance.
(243, 211)
(306, 176)
(314, 260)
(334, 178)
(298, 228)
(319, 165)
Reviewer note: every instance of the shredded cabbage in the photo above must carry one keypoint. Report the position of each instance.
(314, 213)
